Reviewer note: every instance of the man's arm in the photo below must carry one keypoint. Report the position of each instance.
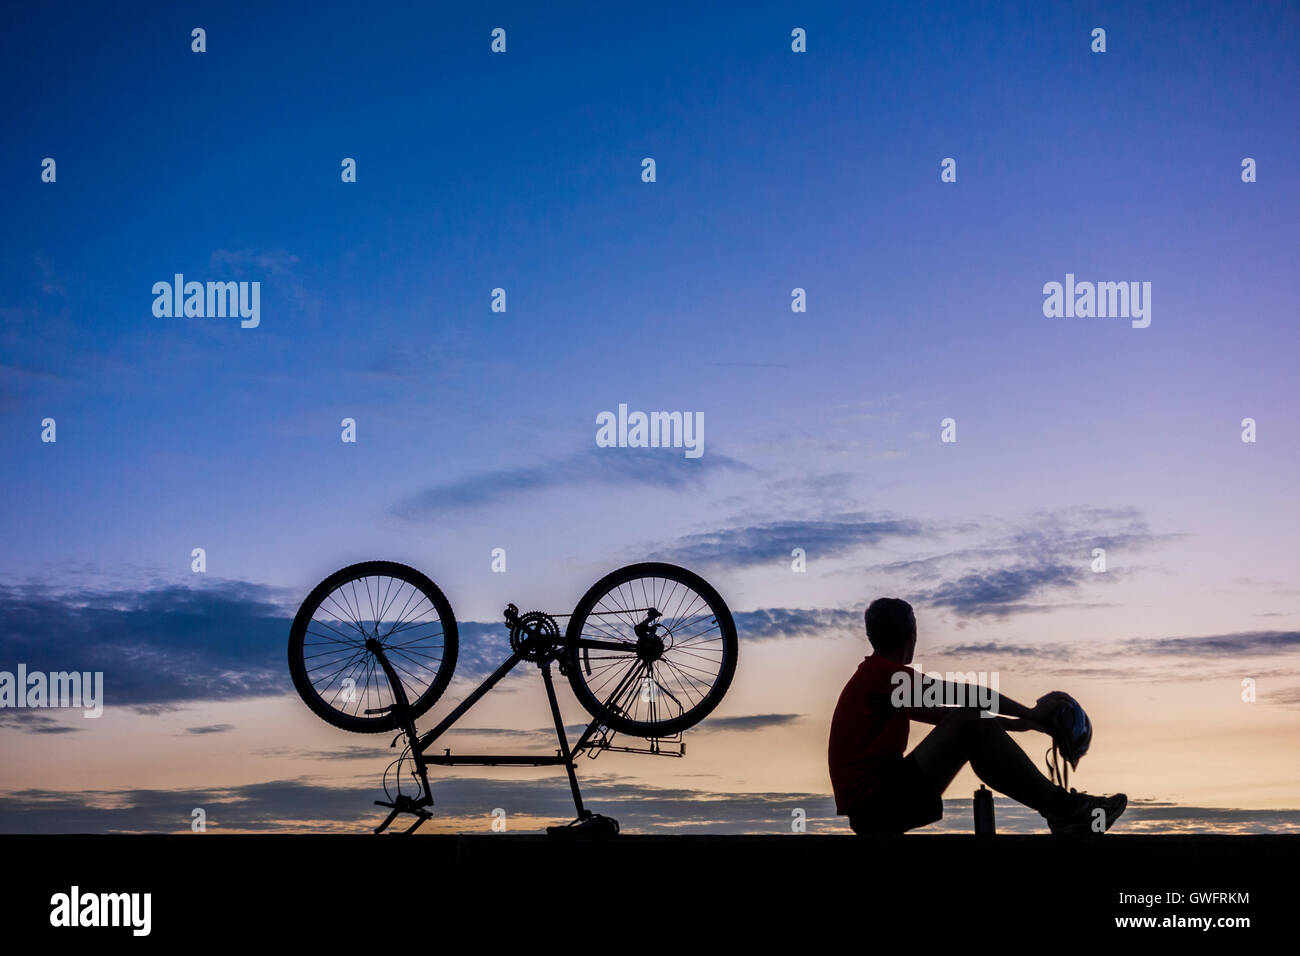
(928, 715)
(932, 715)
(1017, 724)
(1013, 716)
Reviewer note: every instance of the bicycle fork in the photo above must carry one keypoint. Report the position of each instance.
(401, 708)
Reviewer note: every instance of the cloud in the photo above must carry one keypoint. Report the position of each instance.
(1029, 565)
(157, 647)
(1017, 567)
(1156, 816)
(780, 622)
(354, 752)
(465, 804)
(163, 648)
(1036, 538)
(155, 710)
(210, 729)
(274, 261)
(1218, 645)
(665, 468)
(31, 722)
(257, 807)
(1007, 650)
(1287, 697)
(483, 647)
(753, 722)
(32, 371)
(275, 268)
(1004, 591)
(772, 543)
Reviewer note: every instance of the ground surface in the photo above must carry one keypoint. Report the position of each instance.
(402, 890)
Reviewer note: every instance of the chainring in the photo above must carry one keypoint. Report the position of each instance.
(535, 636)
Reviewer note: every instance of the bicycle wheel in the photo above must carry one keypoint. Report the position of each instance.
(334, 673)
(657, 642)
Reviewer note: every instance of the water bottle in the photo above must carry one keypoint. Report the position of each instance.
(984, 812)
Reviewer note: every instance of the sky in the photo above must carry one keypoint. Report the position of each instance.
(476, 429)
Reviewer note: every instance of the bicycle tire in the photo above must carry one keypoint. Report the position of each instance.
(577, 664)
(298, 632)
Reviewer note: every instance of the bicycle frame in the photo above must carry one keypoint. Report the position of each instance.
(547, 649)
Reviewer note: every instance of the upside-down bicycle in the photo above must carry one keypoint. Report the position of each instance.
(649, 651)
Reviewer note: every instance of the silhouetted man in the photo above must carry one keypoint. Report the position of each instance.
(881, 791)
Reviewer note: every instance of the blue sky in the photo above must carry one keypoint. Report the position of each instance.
(775, 170)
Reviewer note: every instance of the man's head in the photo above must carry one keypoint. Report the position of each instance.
(891, 628)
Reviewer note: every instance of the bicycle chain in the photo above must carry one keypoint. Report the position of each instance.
(631, 610)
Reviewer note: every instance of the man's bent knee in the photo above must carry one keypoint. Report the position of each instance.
(971, 726)
(985, 727)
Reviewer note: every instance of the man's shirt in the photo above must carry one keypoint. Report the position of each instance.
(868, 733)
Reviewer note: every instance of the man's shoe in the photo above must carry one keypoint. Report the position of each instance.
(1079, 819)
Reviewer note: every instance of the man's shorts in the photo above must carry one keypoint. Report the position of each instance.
(904, 800)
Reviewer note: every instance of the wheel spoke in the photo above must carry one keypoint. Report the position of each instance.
(682, 675)
(332, 649)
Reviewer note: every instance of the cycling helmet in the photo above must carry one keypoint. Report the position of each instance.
(1071, 732)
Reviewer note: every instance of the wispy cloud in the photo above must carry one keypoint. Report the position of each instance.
(771, 543)
(30, 722)
(1037, 563)
(753, 722)
(1009, 650)
(1286, 697)
(353, 752)
(275, 268)
(781, 622)
(272, 261)
(1218, 645)
(210, 729)
(1004, 591)
(622, 467)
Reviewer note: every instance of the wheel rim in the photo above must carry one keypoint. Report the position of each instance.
(342, 674)
(667, 675)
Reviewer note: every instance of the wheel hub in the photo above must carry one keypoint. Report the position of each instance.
(650, 647)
